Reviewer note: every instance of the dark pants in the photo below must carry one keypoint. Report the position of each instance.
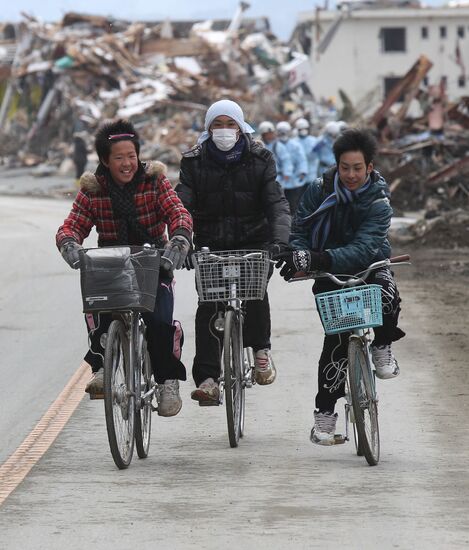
(293, 197)
(333, 362)
(161, 335)
(209, 342)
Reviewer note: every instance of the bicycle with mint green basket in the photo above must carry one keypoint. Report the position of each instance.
(355, 309)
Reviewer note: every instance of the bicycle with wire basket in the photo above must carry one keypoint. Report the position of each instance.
(355, 309)
(232, 277)
(123, 281)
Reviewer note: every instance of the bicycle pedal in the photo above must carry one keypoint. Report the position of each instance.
(209, 403)
(96, 395)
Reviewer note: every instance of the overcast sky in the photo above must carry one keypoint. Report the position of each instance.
(282, 13)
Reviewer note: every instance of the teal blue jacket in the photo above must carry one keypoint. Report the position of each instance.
(359, 229)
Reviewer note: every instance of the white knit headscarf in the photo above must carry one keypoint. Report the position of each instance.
(224, 107)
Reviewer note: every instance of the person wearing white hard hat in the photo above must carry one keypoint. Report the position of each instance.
(307, 142)
(323, 147)
(228, 182)
(282, 157)
(295, 186)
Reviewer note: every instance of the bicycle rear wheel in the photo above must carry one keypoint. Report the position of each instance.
(365, 408)
(119, 397)
(248, 366)
(234, 387)
(144, 408)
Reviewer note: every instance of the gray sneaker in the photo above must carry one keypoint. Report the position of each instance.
(384, 361)
(264, 368)
(324, 428)
(168, 398)
(95, 386)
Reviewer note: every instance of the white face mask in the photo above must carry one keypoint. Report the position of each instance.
(225, 138)
(303, 132)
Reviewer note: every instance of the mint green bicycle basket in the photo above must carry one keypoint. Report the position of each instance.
(350, 308)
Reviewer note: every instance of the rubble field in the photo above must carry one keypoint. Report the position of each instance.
(63, 79)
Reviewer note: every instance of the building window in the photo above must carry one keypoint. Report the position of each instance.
(461, 32)
(424, 32)
(462, 81)
(393, 39)
(389, 83)
(442, 32)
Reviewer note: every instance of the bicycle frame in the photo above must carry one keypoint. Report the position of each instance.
(360, 379)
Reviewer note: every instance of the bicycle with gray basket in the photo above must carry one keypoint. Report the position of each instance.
(232, 277)
(123, 281)
(355, 309)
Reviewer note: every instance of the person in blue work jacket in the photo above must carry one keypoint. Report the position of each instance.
(282, 157)
(295, 187)
(323, 147)
(307, 142)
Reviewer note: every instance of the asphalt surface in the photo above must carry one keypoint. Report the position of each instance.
(275, 490)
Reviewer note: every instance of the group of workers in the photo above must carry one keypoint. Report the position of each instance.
(300, 156)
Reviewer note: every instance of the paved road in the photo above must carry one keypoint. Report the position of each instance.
(276, 490)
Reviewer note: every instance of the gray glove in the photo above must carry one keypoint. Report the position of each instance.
(70, 253)
(175, 252)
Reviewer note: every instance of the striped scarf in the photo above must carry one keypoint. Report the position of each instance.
(321, 218)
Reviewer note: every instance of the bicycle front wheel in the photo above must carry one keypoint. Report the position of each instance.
(365, 407)
(234, 387)
(119, 396)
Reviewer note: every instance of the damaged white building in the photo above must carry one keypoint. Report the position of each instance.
(363, 47)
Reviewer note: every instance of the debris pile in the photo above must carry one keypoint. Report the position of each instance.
(70, 76)
(424, 156)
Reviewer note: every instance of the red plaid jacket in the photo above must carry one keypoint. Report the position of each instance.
(158, 207)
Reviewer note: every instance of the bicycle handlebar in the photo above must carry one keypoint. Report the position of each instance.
(352, 280)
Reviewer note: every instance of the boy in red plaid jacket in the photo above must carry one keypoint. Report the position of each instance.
(131, 204)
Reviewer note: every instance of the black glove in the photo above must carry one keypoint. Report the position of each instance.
(175, 252)
(189, 262)
(70, 253)
(294, 261)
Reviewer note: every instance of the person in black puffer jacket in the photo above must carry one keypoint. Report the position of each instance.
(228, 182)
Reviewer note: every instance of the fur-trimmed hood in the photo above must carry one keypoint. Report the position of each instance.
(91, 183)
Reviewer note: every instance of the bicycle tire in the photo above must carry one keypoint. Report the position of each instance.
(119, 399)
(248, 366)
(364, 403)
(143, 410)
(234, 388)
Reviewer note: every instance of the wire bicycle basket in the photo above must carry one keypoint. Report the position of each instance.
(217, 271)
(119, 278)
(350, 308)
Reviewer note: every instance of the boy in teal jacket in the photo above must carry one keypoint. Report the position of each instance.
(341, 227)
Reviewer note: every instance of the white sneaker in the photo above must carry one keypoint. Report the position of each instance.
(384, 361)
(96, 384)
(264, 368)
(324, 428)
(168, 398)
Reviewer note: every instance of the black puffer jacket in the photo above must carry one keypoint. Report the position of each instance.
(234, 206)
